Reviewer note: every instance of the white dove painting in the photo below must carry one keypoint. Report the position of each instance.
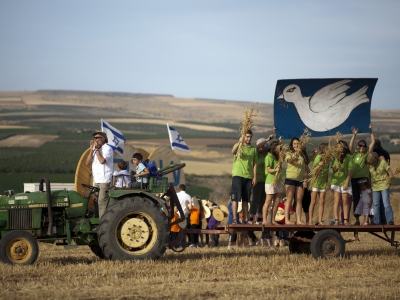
(324, 106)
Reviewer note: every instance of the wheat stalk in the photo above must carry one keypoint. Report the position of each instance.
(246, 123)
(303, 140)
(282, 151)
(317, 171)
(397, 171)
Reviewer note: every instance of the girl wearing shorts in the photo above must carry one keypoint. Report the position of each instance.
(341, 183)
(296, 179)
(320, 185)
(274, 192)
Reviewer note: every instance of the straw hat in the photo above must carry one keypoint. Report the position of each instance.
(204, 202)
(218, 214)
(211, 204)
(224, 209)
(196, 203)
(207, 212)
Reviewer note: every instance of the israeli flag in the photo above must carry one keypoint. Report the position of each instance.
(116, 139)
(177, 141)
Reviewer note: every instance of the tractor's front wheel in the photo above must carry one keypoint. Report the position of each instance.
(19, 247)
(133, 228)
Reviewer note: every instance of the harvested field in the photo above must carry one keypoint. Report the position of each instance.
(369, 270)
(12, 127)
(35, 140)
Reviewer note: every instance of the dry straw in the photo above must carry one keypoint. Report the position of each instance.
(303, 140)
(326, 157)
(247, 122)
(397, 171)
(282, 151)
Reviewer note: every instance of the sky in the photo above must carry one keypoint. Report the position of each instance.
(213, 49)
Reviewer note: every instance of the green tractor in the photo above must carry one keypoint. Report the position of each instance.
(135, 224)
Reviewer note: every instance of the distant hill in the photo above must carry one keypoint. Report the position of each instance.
(92, 104)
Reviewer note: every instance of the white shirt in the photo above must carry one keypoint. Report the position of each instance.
(139, 169)
(183, 197)
(123, 178)
(102, 173)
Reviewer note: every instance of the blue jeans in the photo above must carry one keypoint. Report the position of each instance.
(377, 196)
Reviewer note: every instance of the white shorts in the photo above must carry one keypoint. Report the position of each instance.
(318, 190)
(339, 189)
(271, 190)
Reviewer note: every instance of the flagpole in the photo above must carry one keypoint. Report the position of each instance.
(170, 138)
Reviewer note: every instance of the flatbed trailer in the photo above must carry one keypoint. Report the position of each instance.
(322, 241)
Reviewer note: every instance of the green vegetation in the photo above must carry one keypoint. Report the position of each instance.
(15, 181)
(201, 191)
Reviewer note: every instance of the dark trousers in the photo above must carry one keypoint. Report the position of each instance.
(181, 243)
(173, 235)
(258, 199)
(194, 237)
(214, 238)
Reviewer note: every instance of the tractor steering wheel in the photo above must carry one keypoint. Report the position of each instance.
(93, 189)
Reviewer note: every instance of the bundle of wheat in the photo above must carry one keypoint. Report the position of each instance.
(397, 171)
(303, 140)
(282, 151)
(326, 157)
(336, 148)
(247, 122)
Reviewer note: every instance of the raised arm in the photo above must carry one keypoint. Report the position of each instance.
(354, 131)
(236, 146)
(372, 145)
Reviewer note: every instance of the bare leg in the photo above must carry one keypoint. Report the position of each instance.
(277, 200)
(312, 205)
(289, 199)
(234, 210)
(321, 206)
(299, 204)
(266, 206)
(345, 208)
(336, 200)
(245, 209)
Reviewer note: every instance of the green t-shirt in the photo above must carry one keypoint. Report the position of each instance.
(296, 170)
(359, 169)
(243, 167)
(320, 182)
(379, 176)
(260, 167)
(338, 178)
(272, 162)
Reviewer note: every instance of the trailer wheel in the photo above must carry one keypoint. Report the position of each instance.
(97, 251)
(300, 247)
(327, 243)
(19, 247)
(133, 228)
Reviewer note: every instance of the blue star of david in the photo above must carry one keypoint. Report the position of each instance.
(115, 140)
(179, 139)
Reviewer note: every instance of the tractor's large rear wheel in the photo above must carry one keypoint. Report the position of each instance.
(133, 228)
(19, 247)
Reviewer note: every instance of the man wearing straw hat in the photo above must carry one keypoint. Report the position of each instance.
(101, 159)
(243, 174)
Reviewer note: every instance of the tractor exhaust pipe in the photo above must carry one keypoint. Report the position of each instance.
(49, 206)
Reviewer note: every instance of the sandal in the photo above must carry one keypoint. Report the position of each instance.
(234, 221)
(336, 222)
(346, 222)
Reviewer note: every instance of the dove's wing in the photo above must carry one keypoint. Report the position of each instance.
(328, 96)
